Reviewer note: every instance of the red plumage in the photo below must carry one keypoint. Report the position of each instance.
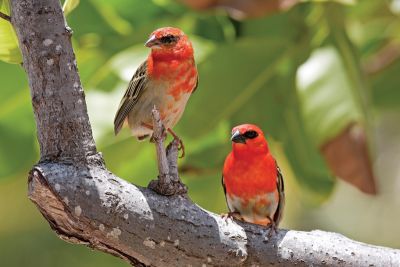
(166, 80)
(251, 178)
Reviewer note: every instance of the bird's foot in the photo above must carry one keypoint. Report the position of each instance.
(231, 215)
(273, 228)
(167, 182)
(181, 145)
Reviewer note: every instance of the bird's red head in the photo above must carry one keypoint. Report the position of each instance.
(248, 139)
(169, 42)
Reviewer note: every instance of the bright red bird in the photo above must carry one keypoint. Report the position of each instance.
(252, 180)
(166, 80)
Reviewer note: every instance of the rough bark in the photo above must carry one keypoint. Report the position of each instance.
(86, 204)
(58, 100)
(94, 207)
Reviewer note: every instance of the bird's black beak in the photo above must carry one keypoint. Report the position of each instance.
(237, 137)
(152, 41)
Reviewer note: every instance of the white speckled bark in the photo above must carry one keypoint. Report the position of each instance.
(86, 204)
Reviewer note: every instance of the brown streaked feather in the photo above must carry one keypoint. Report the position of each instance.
(281, 189)
(135, 89)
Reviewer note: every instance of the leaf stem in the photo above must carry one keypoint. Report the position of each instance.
(360, 90)
(5, 17)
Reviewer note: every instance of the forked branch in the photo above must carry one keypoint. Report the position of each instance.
(168, 182)
(87, 204)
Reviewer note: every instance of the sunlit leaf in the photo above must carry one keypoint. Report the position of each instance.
(9, 49)
(126, 62)
(101, 118)
(69, 5)
(326, 95)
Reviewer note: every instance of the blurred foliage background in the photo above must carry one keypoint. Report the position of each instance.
(320, 77)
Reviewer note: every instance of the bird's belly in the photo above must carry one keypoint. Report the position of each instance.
(170, 108)
(256, 209)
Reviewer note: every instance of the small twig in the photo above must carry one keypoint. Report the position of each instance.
(158, 137)
(168, 182)
(5, 17)
(172, 157)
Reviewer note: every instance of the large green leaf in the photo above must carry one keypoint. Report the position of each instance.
(326, 95)
(9, 49)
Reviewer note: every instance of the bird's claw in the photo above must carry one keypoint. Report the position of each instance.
(231, 215)
(181, 145)
(273, 228)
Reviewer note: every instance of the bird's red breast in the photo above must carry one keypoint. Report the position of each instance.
(251, 178)
(249, 175)
(249, 168)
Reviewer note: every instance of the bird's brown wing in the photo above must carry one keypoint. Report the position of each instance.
(281, 204)
(135, 88)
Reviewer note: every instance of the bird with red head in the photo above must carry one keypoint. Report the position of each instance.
(252, 180)
(166, 79)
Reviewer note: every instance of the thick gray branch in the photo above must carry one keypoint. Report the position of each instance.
(86, 204)
(94, 207)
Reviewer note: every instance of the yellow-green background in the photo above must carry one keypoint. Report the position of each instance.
(248, 73)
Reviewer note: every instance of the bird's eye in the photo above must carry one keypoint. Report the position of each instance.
(250, 134)
(168, 39)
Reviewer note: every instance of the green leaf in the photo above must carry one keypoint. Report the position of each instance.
(69, 5)
(9, 49)
(326, 95)
(111, 16)
(385, 89)
(17, 129)
(206, 154)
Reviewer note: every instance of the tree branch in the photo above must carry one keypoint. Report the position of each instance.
(86, 204)
(168, 182)
(63, 127)
(94, 207)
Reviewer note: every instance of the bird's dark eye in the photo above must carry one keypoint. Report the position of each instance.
(169, 39)
(250, 134)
